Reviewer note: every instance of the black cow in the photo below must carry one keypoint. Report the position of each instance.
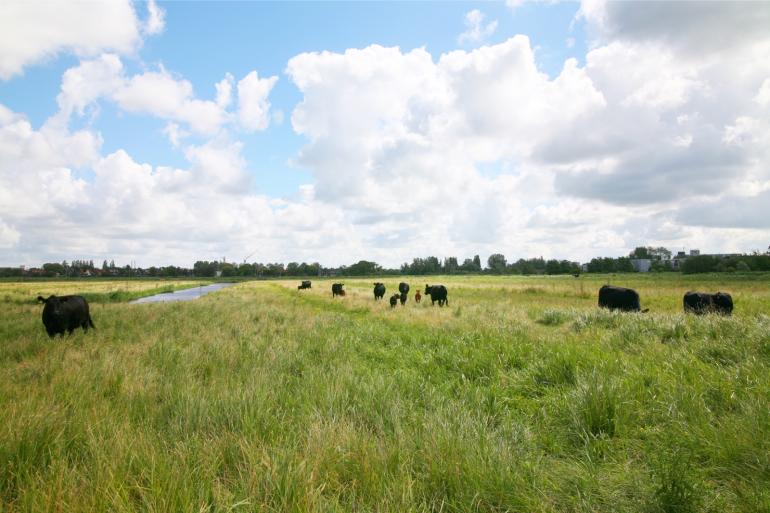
(403, 288)
(702, 303)
(337, 289)
(394, 300)
(619, 298)
(305, 285)
(65, 313)
(379, 291)
(437, 293)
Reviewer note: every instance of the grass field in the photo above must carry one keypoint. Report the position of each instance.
(519, 396)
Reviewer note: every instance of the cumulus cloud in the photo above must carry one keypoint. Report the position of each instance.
(649, 142)
(9, 237)
(730, 211)
(475, 28)
(31, 32)
(253, 104)
(224, 91)
(693, 27)
(161, 94)
(156, 18)
(153, 214)
(643, 128)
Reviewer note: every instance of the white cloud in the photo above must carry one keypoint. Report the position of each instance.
(224, 91)
(154, 215)
(253, 104)
(692, 28)
(9, 237)
(156, 18)
(174, 133)
(84, 84)
(648, 142)
(475, 28)
(161, 95)
(763, 95)
(31, 32)
(165, 96)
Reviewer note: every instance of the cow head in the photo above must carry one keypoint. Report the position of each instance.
(428, 288)
(52, 304)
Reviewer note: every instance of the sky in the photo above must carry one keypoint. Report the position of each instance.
(168, 132)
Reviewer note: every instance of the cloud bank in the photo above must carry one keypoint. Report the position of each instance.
(657, 138)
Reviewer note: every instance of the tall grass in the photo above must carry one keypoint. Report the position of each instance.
(262, 398)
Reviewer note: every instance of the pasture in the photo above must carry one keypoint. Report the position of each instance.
(519, 396)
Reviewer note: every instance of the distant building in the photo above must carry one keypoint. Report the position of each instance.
(641, 265)
(681, 256)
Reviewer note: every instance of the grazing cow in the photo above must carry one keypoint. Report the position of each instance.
(337, 289)
(305, 285)
(417, 297)
(393, 300)
(65, 313)
(437, 293)
(702, 303)
(379, 291)
(403, 288)
(619, 298)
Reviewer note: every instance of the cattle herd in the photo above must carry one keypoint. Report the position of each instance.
(66, 313)
(627, 300)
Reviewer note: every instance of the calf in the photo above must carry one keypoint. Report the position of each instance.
(65, 313)
(417, 297)
(337, 289)
(394, 300)
(304, 285)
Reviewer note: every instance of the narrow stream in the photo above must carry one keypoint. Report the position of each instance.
(182, 295)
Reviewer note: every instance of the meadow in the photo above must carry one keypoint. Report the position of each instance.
(521, 395)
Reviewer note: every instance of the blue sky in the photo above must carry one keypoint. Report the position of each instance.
(556, 129)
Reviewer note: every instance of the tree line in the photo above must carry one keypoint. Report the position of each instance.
(495, 264)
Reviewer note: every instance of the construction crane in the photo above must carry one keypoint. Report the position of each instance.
(249, 255)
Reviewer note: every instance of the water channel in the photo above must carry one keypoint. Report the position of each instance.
(182, 295)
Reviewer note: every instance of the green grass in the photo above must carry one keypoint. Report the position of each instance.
(520, 396)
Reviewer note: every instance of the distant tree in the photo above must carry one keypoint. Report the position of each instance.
(53, 269)
(450, 265)
(363, 267)
(205, 269)
(660, 253)
(477, 262)
(640, 252)
(742, 266)
(496, 263)
(552, 267)
(702, 264)
(661, 266)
